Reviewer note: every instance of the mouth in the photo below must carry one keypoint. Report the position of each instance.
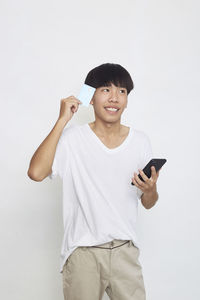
(111, 111)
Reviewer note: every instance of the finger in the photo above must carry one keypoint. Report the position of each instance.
(76, 107)
(144, 176)
(71, 99)
(153, 172)
(138, 180)
(134, 181)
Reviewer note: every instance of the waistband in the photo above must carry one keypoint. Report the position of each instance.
(113, 244)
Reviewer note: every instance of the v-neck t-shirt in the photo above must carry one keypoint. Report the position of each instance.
(99, 202)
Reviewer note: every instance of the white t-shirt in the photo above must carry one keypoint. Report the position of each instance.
(99, 202)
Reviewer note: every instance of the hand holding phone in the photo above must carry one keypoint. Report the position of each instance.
(156, 162)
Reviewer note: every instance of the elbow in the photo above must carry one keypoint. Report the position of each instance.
(33, 176)
(150, 205)
(145, 206)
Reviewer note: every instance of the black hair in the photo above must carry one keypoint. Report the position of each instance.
(108, 73)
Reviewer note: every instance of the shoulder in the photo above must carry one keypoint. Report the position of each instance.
(70, 131)
(141, 135)
(67, 132)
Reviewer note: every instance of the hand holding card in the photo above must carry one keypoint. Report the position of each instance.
(86, 94)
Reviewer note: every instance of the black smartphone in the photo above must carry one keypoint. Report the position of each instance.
(156, 162)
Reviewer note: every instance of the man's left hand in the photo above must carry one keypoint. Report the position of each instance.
(149, 184)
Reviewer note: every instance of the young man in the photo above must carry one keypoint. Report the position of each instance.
(97, 162)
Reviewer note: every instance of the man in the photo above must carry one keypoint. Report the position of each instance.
(97, 162)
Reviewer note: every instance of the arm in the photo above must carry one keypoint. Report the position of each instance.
(148, 187)
(42, 160)
(149, 199)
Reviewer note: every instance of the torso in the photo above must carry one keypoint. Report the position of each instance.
(113, 142)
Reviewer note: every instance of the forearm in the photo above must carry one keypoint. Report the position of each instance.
(149, 199)
(42, 160)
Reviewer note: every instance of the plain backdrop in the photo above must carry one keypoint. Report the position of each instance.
(47, 49)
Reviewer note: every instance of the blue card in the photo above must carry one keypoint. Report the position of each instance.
(86, 94)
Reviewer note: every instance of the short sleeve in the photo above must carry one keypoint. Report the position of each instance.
(146, 156)
(61, 157)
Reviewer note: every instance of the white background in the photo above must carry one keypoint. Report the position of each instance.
(47, 49)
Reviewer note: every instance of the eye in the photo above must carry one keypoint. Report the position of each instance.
(124, 91)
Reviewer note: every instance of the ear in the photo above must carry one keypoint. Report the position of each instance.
(91, 101)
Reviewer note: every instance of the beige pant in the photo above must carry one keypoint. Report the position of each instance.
(112, 267)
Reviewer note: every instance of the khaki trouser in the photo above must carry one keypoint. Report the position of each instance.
(112, 267)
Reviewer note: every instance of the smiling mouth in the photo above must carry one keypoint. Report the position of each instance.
(111, 112)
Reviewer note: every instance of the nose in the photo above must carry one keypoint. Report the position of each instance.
(113, 96)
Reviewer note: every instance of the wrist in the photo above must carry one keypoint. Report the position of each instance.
(61, 122)
(153, 192)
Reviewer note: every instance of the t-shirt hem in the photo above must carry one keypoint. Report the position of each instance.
(68, 253)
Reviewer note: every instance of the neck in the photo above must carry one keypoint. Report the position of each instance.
(107, 129)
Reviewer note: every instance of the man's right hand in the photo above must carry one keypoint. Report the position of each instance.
(68, 106)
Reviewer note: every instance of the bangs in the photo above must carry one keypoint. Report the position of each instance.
(107, 74)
